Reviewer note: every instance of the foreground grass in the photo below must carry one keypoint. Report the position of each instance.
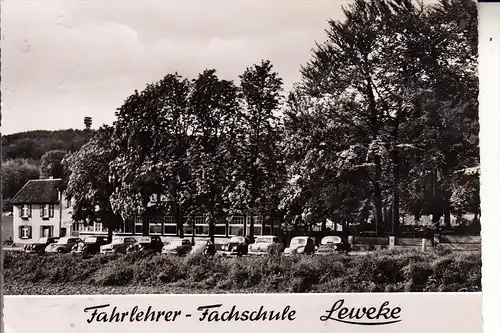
(140, 273)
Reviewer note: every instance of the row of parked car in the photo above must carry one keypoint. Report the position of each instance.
(237, 245)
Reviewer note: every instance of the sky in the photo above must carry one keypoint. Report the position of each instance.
(64, 60)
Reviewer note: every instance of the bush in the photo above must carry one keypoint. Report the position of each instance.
(380, 271)
(114, 276)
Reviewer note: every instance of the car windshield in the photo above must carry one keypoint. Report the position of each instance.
(117, 241)
(298, 241)
(237, 240)
(42, 240)
(331, 240)
(144, 240)
(63, 241)
(90, 240)
(266, 240)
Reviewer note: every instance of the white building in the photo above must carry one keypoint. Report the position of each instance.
(41, 210)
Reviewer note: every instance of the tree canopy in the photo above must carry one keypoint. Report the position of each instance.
(384, 123)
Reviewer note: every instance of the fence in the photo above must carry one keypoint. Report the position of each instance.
(459, 243)
(454, 243)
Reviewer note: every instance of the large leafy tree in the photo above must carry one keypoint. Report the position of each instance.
(381, 74)
(256, 175)
(151, 139)
(446, 119)
(89, 185)
(16, 173)
(215, 112)
(51, 164)
(326, 170)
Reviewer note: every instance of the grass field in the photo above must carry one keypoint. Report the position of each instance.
(140, 273)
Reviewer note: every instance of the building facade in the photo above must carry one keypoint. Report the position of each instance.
(194, 226)
(39, 211)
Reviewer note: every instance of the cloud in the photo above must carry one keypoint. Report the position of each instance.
(62, 61)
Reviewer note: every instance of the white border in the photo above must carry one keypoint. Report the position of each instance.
(489, 136)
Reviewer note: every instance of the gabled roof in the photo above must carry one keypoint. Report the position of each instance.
(38, 191)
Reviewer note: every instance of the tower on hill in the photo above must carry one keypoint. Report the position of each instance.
(88, 122)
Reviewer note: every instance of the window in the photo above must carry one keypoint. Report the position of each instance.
(155, 228)
(201, 225)
(127, 227)
(25, 232)
(188, 229)
(68, 202)
(220, 226)
(46, 231)
(257, 225)
(220, 230)
(46, 211)
(170, 229)
(25, 211)
(236, 226)
(267, 230)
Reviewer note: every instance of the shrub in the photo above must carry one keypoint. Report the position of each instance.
(114, 276)
(389, 271)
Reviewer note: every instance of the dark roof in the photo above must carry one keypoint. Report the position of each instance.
(38, 191)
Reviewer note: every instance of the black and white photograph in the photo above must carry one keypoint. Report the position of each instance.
(240, 147)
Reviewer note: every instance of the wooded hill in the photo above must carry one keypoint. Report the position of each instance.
(33, 144)
(29, 155)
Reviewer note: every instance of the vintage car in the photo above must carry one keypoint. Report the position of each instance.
(237, 245)
(119, 244)
(204, 246)
(63, 245)
(333, 244)
(40, 245)
(90, 245)
(177, 246)
(266, 244)
(300, 245)
(147, 243)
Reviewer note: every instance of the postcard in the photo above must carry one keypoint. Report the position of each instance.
(250, 166)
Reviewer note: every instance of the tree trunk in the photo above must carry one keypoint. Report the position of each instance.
(145, 224)
(180, 219)
(436, 211)
(377, 195)
(447, 216)
(211, 227)
(192, 234)
(110, 234)
(395, 205)
(251, 226)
